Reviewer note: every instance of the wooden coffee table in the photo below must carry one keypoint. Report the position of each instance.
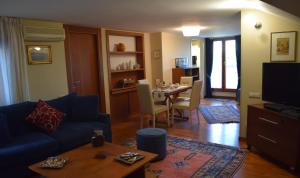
(83, 164)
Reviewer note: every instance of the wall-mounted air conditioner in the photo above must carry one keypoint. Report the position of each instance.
(43, 34)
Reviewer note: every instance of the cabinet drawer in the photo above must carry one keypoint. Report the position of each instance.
(274, 135)
(267, 145)
(268, 131)
(270, 119)
(257, 117)
(276, 149)
(263, 124)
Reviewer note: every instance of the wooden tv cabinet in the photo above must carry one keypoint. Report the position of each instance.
(274, 135)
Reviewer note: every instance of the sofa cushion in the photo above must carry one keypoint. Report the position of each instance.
(5, 137)
(64, 104)
(27, 149)
(16, 115)
(74, 134)
(85, 108)
(45, 117)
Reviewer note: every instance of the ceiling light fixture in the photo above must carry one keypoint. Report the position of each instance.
(37, 48)
(190, 30)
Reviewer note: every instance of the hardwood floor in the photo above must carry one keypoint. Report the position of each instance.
(255, 165)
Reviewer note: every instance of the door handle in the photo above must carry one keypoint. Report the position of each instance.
(76, 83)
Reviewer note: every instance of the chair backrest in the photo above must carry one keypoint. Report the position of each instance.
(144, 81)
(158, 96)
(196, 94)
(186, 81)
(145, 99)
(157, 82)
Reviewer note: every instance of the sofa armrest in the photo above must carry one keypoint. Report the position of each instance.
(105, 119)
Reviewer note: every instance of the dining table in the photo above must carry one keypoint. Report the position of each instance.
(171, 93)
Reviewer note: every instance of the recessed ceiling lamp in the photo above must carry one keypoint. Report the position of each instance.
(37, 48)
(190, 30)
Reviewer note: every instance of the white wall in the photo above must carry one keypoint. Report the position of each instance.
(105, 71)
(255, 46)
(200, 62)
(148, 58)
(48, 81)
(196, 51)
(173, 46)
(156, 62)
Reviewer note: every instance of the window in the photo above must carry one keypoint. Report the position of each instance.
(4, 90)
(216, 75)
(224, 75)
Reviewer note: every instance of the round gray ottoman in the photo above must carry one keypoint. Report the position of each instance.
(152, 140)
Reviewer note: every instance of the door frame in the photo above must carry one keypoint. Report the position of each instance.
(86, 30)
(223, 89)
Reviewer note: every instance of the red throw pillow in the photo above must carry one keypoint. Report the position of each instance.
(45, 117)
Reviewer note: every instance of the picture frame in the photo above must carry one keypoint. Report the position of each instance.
(39, 54)
(283, 46)
(181, 62)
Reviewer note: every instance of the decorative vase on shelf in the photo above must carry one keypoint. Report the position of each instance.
(129, 65)
(120, 47)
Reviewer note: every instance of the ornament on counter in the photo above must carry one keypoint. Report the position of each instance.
(120, 47)
(136, 66)
(98, 138)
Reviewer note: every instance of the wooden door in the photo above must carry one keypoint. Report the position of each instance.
(83, 55)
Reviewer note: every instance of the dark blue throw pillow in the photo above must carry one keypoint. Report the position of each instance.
(85, 108)
(4, 131)
(63, 104)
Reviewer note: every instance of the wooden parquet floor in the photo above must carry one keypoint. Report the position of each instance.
(255, 165)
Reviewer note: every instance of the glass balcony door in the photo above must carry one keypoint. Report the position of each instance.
(224, 75)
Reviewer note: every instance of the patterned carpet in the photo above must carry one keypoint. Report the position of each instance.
(221, 100)
(220, 114)
(192, 159)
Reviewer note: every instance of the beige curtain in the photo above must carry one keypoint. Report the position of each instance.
(13, 66)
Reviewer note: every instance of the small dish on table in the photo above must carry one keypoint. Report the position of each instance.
(129, 157)
(55, 162)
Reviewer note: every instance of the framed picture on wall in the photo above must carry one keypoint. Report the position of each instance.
(283, 46)
(39, 54)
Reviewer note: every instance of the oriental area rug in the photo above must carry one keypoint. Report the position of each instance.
(188, 158)
(220, 114)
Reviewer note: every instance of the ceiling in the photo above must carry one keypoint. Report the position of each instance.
(291, 6)
(216, 17)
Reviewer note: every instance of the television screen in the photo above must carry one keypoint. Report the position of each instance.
(281, 83)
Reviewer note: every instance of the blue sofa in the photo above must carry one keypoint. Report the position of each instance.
(23, 144)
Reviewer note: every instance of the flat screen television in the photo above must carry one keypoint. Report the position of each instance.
(281, 83)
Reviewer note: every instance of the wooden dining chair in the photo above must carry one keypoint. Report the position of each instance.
(147, 105)
(143, 81)
(191, 104)
(188, 81)
(158, 97)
